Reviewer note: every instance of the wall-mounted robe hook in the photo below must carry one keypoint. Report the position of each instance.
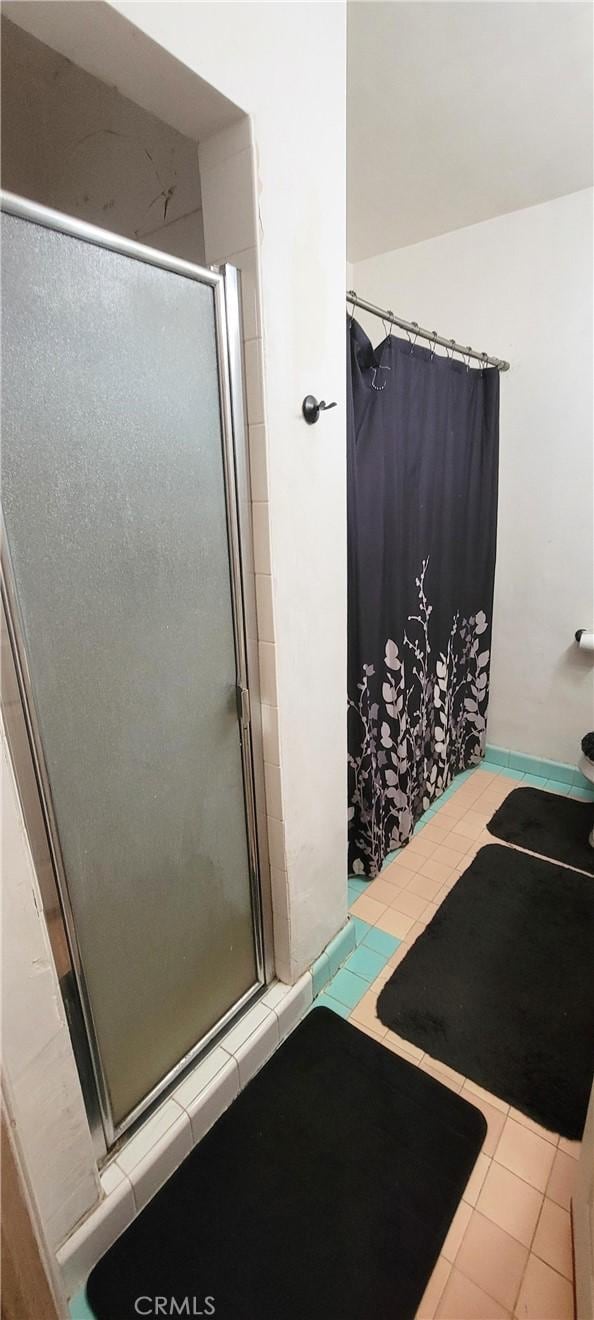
(311, 409)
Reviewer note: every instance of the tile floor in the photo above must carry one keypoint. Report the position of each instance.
(508, 1252)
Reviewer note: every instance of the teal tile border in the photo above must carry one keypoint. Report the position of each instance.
(497, 755)
(557, 786)
(534, 766)
(332, 957)
(320, 973)
(79, 1308)
(365, 962)
(347, 988)
(362, 929)
(529, 765)
(326, 1001)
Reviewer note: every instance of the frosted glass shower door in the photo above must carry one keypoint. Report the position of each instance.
(115, 492)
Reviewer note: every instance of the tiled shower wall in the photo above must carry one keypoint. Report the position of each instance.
(228, 175)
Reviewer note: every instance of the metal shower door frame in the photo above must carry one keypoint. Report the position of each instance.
(224, 282)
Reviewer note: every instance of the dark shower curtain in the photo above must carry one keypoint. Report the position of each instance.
(423, 441)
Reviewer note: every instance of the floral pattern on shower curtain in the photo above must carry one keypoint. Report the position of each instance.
(423, 438)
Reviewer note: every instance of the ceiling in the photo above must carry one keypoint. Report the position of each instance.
(460, 111)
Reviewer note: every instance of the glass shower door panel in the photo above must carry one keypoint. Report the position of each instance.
(114, 504)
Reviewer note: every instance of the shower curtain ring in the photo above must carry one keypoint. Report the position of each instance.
(450, 350)
(434, 345)
(415, 326)
(469, 350)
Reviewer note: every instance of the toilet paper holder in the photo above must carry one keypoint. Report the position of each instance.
(585, 639)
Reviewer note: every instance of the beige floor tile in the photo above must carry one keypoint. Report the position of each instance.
(491, 1099)
(511, 1203)
(435, 870)
(402, 1046)
(452, 810)
(434, 1290)
(456, 1231)
(570, 1147)
(456, 843)
(462, 1300)
(429, 911)
(454, 1083)
(561, 1182)
(519, 1117)
(380, 891)
(412, 905)
(436, 830)
(470, 828)
(365, 1013)
(368, 909)
(415, 931)
(552, 1240)
(473, 1187)
(361, 1026)
(493, 1259)
(421, 847)
(424, 886)
(447, 855)
(446, 889)
(403, 862)
(544, 1294)
(401, 953)
(395, 923)
(524, 1153)
(495, 1119)
(449, 1074)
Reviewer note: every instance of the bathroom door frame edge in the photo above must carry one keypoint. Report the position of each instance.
(226, 293)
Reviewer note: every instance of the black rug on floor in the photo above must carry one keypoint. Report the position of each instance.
(324, 1192)
(500, 985)
(545, 823)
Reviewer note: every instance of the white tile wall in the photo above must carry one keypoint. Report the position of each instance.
(39, 1072)
(231, 229)
(274, 796)
(258, 462)
(153, 1153)
(229, 204)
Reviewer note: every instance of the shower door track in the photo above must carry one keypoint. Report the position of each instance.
(224, 281)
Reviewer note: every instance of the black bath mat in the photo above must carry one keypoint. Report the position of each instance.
(324, 1192)
(545, 823)
(499, 985)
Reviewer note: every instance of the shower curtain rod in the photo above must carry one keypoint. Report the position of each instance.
(412, 328)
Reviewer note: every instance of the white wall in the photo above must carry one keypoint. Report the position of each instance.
(76, 144)
(520, 287)
(38, 1067)
(267, 59)
(270, 59)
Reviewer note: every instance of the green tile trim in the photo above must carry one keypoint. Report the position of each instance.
(530, 765)
(497, 755)
(362, 928)
(337, 951)
(79, 1308)
(348, 988)
(559, 771)
(366, 963)
(320, 973)
(557, 786)
(381, 942)
(562, 774)
(326, 1001)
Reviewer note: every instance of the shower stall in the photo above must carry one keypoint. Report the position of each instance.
(124, 499)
